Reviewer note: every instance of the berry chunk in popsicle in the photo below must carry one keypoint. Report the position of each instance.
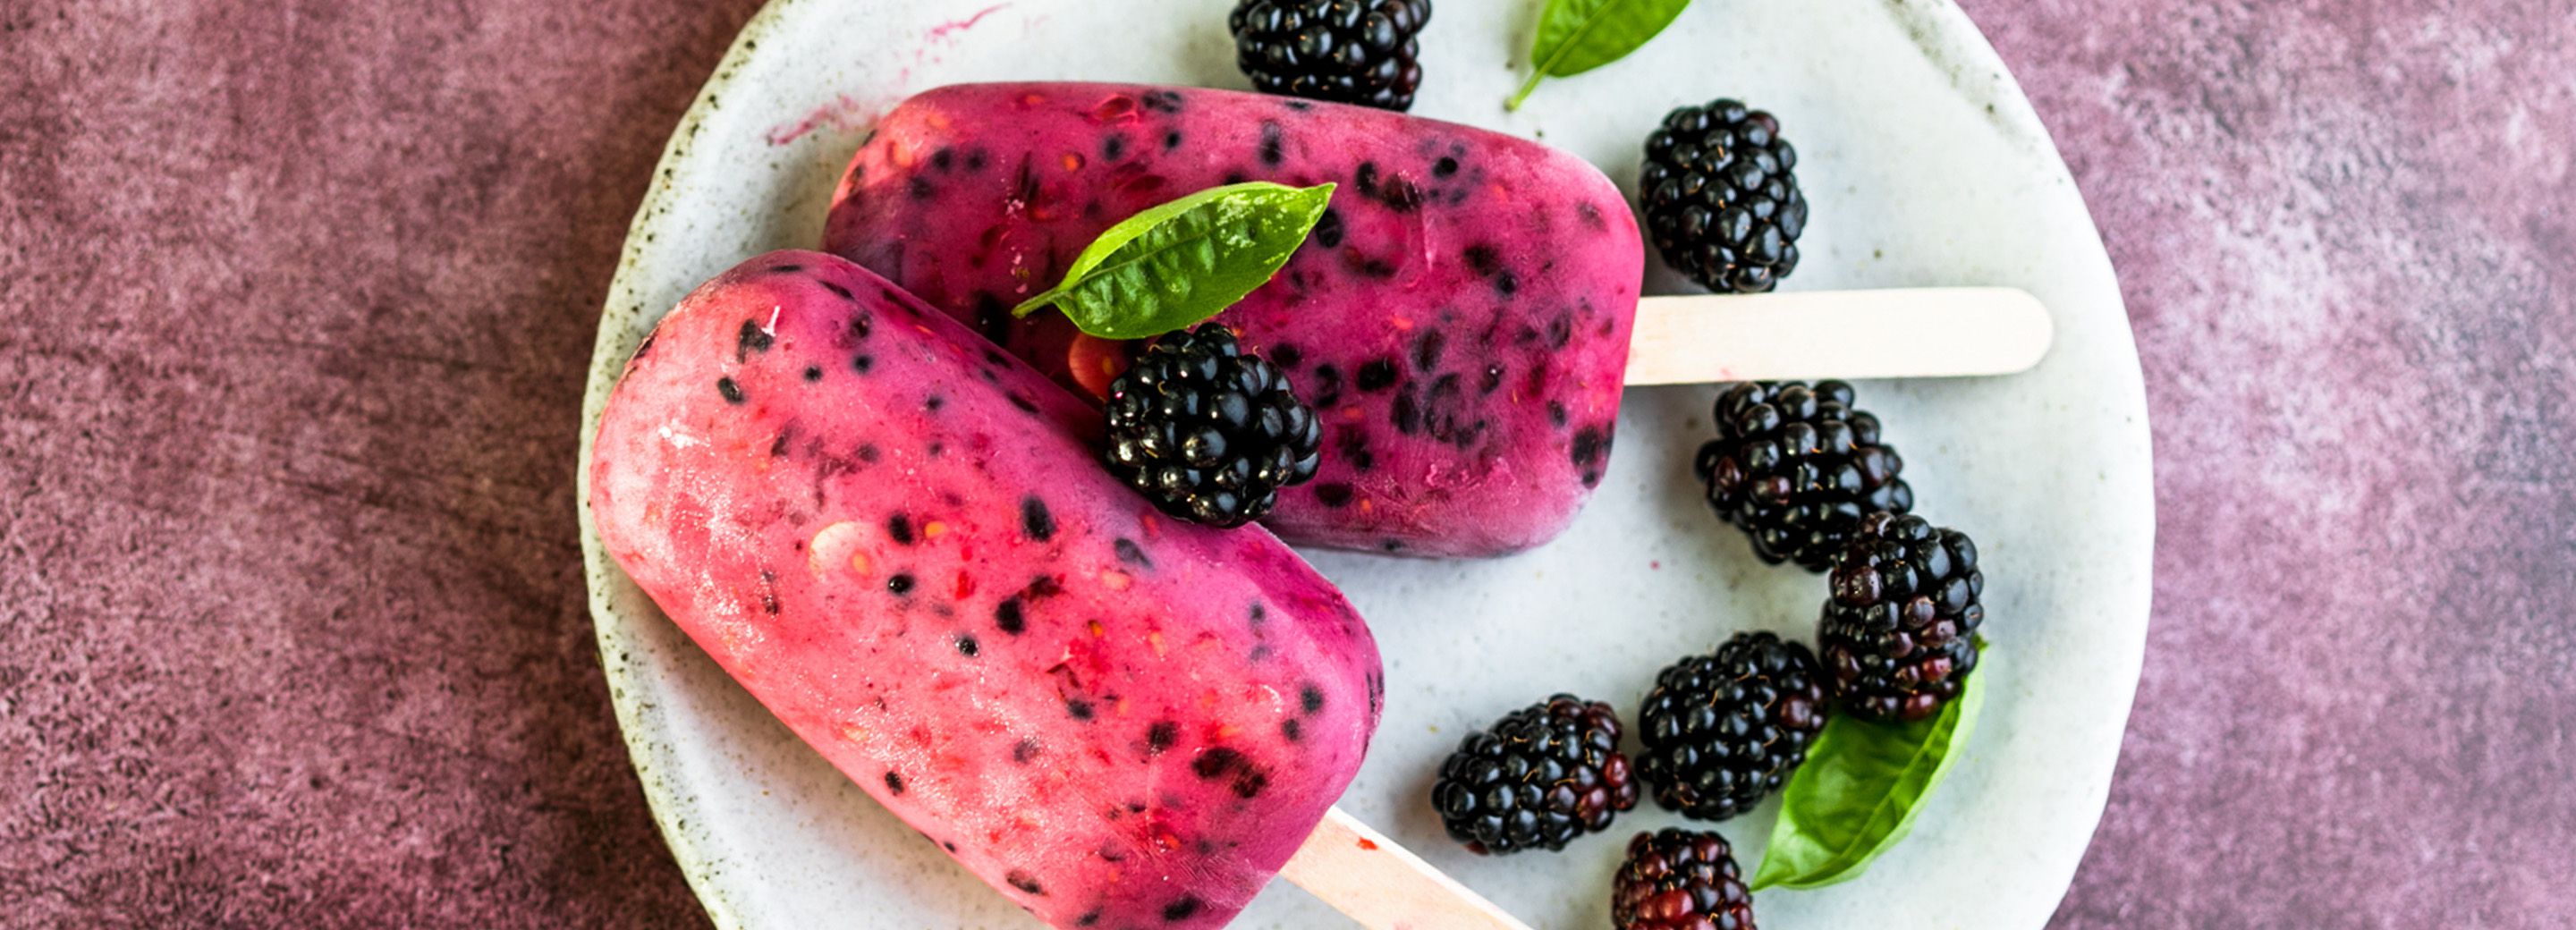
(901, 541)
(1459, 321)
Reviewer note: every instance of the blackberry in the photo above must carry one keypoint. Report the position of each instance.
(1797, 467)
(1542, 776)
(1345, 51)
(1721, 197)
(1899, 632)
(1724, 729)
(1207, 432)
(1679, 880)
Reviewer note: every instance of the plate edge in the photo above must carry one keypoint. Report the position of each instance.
(643, 755)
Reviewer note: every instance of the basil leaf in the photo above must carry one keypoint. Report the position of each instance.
(1860, 788)
(1180, 262)
(1575, 36)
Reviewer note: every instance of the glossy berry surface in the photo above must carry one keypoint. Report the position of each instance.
(1542, 776)
(1899, 632)
(1209, 433)
(1796, 466)
(1680, 880)
(1721, 197)
(1725, 729)
(1344, 51)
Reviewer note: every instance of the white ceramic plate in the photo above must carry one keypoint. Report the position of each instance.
(1925, 166)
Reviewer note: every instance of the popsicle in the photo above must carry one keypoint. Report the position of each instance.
(900, 541)
(1460, 319)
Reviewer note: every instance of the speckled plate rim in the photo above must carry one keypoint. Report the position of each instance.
(1940, 28)
(639, 720)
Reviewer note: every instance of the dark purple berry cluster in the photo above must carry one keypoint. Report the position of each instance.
(1344, 51)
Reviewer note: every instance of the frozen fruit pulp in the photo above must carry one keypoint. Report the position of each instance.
(897, 538)
(1460, 319)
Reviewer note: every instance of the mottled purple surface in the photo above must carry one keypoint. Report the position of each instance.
(296, 297)
(2347, 235)
(295, 300)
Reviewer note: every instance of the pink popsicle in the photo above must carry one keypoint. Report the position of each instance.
(1460, 320)
(901, 542)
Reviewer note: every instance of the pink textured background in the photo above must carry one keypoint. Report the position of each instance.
(296, 296)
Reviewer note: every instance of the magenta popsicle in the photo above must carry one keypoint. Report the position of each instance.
(902, 543)
(1460, 319)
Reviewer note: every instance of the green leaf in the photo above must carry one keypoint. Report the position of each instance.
(1178, 263)
(1575, 36)
(1860, 788)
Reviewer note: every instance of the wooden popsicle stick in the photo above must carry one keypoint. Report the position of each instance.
(1915, 332)
(1383, 886)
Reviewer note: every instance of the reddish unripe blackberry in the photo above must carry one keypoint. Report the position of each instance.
(1680, 880)
(1899, 631)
